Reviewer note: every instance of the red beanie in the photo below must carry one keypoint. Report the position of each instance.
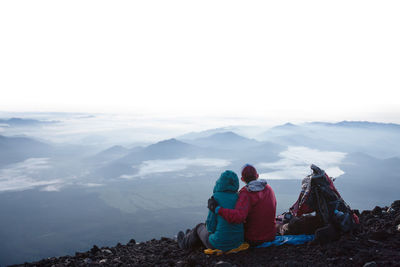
(249, 173)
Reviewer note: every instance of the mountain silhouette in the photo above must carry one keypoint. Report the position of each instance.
(109, 154)
(361, 124)
(18, 122)
(15, 149)
(225, 140)
(166, 149)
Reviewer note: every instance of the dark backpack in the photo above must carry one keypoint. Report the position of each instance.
(320, 195)
(327, 202)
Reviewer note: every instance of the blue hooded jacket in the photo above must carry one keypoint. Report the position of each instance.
(223, 235)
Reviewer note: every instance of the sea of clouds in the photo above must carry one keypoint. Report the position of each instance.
(296, 160)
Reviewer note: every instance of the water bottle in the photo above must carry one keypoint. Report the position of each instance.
(339, 215)
(344, 220)
(287, 217)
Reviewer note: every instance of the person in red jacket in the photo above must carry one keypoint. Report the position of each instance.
(256, 208)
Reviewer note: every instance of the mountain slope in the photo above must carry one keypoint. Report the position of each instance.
(380, 140)
(109, 154)
(167, 149)
(15, 149)
(225, 140)
(368, 180)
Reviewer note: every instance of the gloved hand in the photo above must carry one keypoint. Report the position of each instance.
(212, 204)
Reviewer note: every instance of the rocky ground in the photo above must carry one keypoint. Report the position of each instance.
(375, 243)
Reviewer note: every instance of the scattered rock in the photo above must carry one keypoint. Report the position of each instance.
(87, 261)
(374, 243)
(379, 235)
(80, 255)
(94, 249)
(397, 220)
(377, 211)
(223, 264)
(390, 210)
(396, 205)
(107, 251)
(371, 221)
(165, 239)
(364, 213)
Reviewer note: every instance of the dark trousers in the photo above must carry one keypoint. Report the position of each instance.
(203, 234)
(195, 237)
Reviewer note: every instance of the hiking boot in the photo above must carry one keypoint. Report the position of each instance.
(188, 240)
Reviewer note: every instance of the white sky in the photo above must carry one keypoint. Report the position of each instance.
(329, 60)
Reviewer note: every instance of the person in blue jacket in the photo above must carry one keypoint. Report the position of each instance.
(217, 233)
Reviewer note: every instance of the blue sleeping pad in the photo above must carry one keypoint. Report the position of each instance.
(287, 239)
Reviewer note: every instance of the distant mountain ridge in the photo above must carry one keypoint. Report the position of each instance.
(116, 150)
(24, 122)
(361, 124)
(15, 149)
(166, 149)
(225, 140)
(287, 125)
(203, 134)
(111, 153)
(343, 136)
(381, 140)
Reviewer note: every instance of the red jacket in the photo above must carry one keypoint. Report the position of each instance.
(257, 211)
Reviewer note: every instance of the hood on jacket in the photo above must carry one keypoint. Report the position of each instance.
(256, 185)
(227, 182)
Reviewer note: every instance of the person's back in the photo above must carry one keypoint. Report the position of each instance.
(224, 235)
(217, 233)
(256, 208)
(260, 222)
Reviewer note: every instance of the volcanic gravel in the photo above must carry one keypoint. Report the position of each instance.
(375, 243)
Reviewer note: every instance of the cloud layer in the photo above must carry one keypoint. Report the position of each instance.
(162, 166)
(24, 175)
(295, 162)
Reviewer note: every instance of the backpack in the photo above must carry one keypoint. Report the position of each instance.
(320, 195)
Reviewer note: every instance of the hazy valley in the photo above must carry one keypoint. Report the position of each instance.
(63, 190)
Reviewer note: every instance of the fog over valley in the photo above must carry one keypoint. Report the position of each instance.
(118, 117)
(71, 180)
